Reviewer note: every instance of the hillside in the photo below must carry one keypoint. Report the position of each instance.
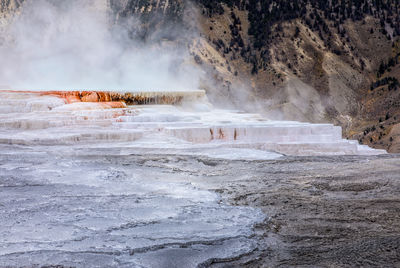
(317, 61)
(309, 60)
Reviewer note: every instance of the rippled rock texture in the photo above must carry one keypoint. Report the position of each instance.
(135, 208)
(322, 211)
(106, 209)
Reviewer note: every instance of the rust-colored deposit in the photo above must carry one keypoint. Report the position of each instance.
(135, 98)
(82, 96)
(103, 98)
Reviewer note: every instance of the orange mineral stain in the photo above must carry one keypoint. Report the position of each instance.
(113, 105)
(103, 98)
(129, 98)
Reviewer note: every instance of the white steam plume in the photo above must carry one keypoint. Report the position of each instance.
(59, 45)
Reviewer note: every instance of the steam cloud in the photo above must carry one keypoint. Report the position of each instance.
(59, 45)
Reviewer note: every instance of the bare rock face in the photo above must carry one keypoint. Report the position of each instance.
(394, 138)
(7, 6)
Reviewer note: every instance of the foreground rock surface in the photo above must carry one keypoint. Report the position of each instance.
(323, 212)
(107, 208)
(119, 207)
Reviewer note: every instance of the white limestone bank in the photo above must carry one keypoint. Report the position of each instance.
(192, 124)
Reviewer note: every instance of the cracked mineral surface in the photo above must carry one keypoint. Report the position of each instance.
(131, 208)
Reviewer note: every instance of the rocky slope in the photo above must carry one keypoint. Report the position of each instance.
(317, 64)
(307, 60)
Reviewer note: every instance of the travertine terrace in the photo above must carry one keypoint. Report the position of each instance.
(178, 119)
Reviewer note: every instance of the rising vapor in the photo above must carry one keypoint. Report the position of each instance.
(58, 45)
